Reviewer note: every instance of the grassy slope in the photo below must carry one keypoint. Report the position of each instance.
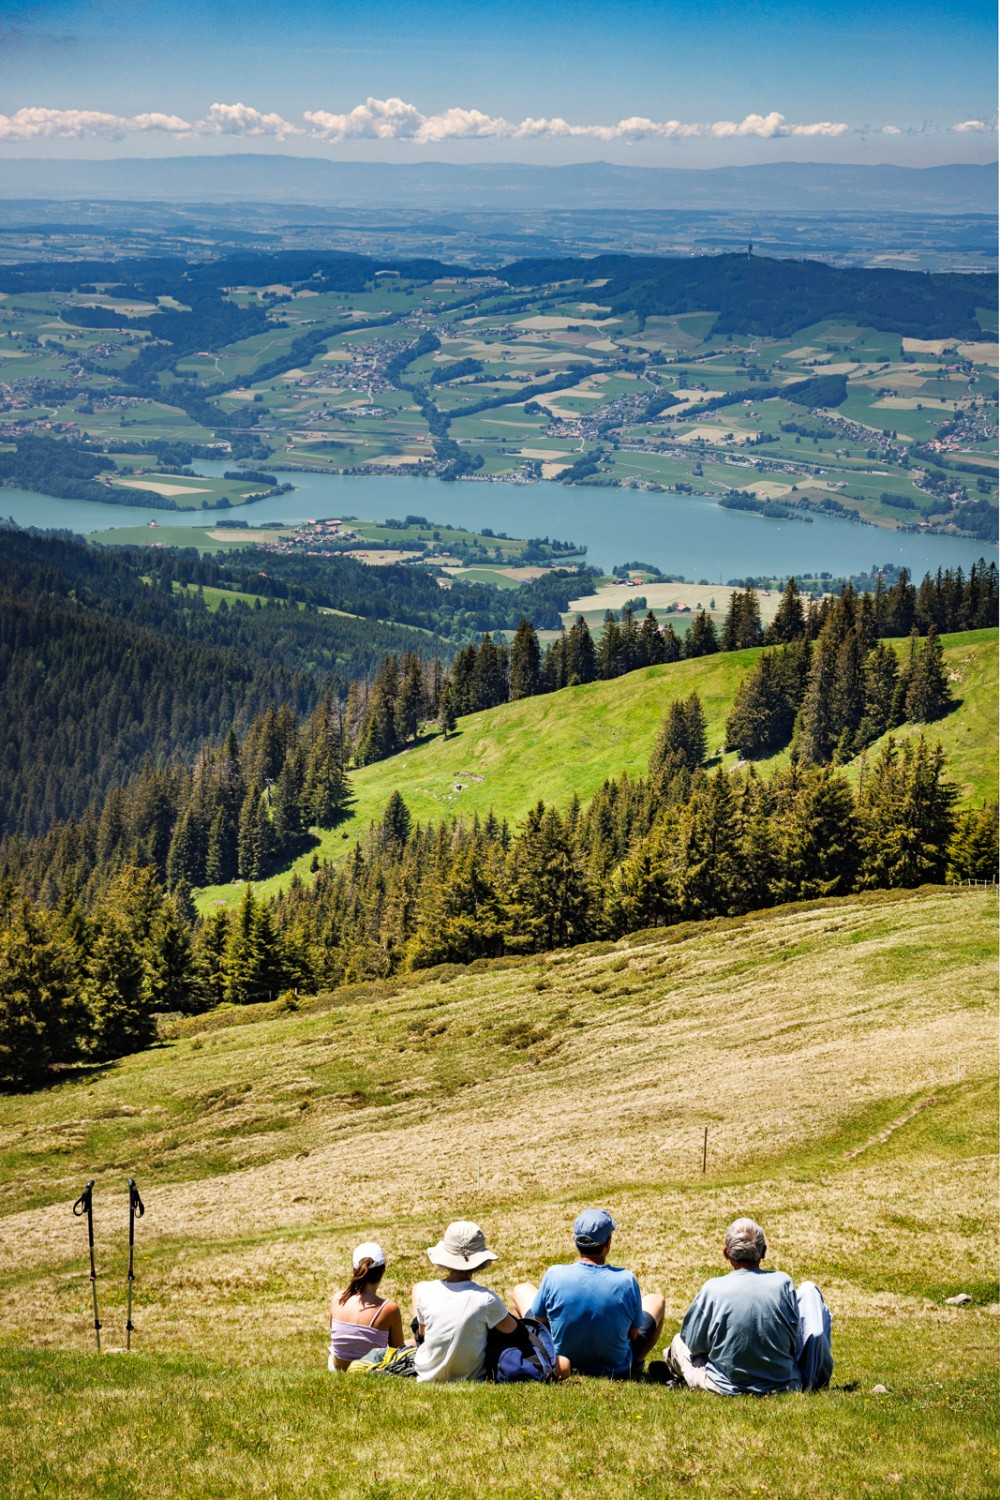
(561, 743)
(268, 1144)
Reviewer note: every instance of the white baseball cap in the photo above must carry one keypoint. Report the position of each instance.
(369, 1251)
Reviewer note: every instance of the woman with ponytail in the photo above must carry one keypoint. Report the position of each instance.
(361, 1320)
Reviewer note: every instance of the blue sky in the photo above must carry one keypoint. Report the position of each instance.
(641, 81)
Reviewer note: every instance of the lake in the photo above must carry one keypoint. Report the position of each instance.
(690, 535)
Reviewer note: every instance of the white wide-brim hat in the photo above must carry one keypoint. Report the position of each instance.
(462, 1247)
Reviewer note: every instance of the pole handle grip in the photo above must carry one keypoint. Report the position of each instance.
(84, 1203)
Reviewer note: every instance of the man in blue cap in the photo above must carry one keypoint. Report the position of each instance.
(601, 1323)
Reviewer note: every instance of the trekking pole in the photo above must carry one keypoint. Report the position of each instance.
(136, 1210)
(85, 1205)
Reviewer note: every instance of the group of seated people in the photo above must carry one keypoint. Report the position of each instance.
(748, 1332)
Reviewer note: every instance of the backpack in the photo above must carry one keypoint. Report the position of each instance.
(526, 1354)
(386, 1362)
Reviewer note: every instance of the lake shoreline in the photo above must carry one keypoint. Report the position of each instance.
(681, 534)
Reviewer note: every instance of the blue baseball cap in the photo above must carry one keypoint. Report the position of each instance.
(593, 1227)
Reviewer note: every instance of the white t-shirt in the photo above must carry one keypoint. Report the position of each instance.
(456, 1316)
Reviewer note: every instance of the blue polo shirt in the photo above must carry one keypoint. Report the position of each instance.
(591, 1310)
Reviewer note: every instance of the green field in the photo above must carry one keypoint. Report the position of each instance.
(338, 404)
(553, 746)
(842, 1055)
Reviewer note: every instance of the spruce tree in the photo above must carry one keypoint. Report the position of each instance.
(758, 720)
(790, 622)
(396, 824)
(446, 712)
(115, 990)
(881, 678)
(818, 842)
(525, 662)
(905, 808)
(973, 852)
(609, 656)
(928, 695)
(581, 654)
(701, 639)
(650, 642)
(671, 645)
(40, 1016)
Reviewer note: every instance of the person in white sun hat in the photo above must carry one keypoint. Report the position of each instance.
(455, 1314)
(361, 1320)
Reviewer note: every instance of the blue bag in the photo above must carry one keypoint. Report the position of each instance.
(526, 1354)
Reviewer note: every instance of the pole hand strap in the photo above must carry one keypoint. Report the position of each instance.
(84, 1203)
(135, 1203)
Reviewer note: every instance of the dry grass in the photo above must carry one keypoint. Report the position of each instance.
(821, 1045)
(588, 1074)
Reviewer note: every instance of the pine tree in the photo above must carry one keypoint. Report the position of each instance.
(906, 813)
(761, 718)
(928, 695)
(40, 1017)
(650, 642)
(288, 824)
(670, 643)
(789, 622)
(525, 662)
(409, 700)
(609, 662)
(326, 792)
(396, 824)
(881, 678)
(446, 712)
(818, 842)
(629, 647)
(115, 990)
(254, 965)
(581, 654)
(681, 741)
(701, 639)
(548, 901)
(169, 959)
(183, 863)
(490, 680)
(377, 737)
(741, 628)
(847, 695)
(973, 852)
(705, 853)
(208, 959)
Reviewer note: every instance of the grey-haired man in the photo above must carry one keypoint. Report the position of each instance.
(743, 1333)
(601, 1323)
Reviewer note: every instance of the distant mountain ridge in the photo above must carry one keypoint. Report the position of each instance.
(796, 186)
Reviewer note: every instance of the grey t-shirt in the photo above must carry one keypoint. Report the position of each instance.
(747, 1323)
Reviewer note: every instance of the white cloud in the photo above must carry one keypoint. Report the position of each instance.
(243, 119)
(73, 124)
(376, 119)
(397, 120)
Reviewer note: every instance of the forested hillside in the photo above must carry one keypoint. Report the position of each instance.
(100, 934)
(103, 666)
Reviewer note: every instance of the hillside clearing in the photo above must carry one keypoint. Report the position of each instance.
(560, 744)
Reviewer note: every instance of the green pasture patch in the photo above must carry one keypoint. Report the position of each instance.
(488, 575)
(214, 597)
(170, 536)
